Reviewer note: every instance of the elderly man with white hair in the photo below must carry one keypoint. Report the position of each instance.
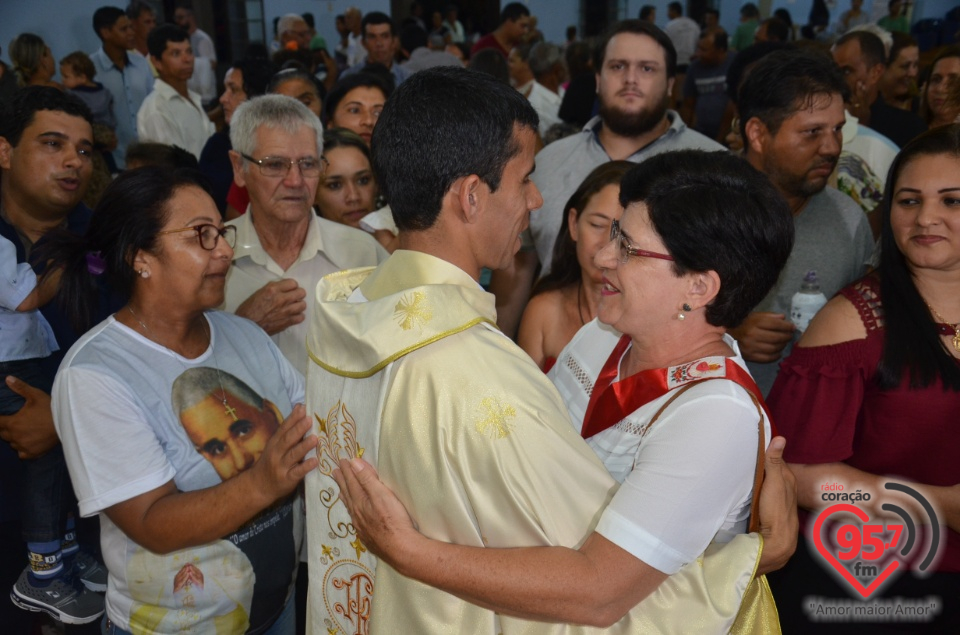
(293, 28)
(283, 247)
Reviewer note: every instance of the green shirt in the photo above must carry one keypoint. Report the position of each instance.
(743, 36)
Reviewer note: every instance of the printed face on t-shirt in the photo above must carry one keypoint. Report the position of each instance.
(231, 435)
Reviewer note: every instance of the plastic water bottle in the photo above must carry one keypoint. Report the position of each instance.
(806, 302)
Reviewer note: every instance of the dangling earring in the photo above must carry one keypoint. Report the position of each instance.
(681, 315)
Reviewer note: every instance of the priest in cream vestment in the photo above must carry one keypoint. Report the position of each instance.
(409, 371)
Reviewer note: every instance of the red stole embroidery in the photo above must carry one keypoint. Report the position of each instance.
(611, 402)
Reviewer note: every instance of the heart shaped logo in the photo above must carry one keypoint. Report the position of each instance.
(830, 557)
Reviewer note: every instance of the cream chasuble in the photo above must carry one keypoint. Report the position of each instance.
(409, 371)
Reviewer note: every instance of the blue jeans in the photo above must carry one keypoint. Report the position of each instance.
(285, 625)
(46, 491)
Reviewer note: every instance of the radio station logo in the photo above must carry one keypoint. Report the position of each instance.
(865, 554)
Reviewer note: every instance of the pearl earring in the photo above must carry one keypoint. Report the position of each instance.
(681, 315)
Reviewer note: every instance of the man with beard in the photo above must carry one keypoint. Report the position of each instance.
(791, 112)
(636, 64)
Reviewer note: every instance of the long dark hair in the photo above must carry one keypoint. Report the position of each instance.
(912, 343)
(131, 211)
(565, 268)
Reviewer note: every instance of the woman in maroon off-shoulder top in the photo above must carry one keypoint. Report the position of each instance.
(871, 393)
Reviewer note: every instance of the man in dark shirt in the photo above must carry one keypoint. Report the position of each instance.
(860, 56)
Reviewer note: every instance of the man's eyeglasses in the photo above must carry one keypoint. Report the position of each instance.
(209, 234)
(627, 250)
(280, 166)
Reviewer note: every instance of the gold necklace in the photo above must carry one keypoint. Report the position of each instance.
(229, 410)
(945, 328)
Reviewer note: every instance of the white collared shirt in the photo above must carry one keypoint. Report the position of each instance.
(328, 247)
(166, 116)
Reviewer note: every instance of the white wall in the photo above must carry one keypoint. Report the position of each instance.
(66, 25)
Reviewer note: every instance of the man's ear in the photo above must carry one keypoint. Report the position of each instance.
(6, 153)
(874, 74)
(470, 197)
(237, 162)
(757, 134)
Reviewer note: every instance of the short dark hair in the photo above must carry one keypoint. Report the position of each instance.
(412, 37)
(105, 18)
(900, 41)
(256, 74)
(413, 158)
(309, 19)
(163, 155)
(376, 17)
(20, 110)
(777, 30)
(565, 268)
(513, 11)
(345, 84)
(160, 35)
(750, 10)
(675, 7)
(637, 27)
(871, 46)
(712, 11)
(137, 7)
(115, 235)
(784, 82)
(784, 15)
(492, 62)
(719, 38)
(744, 61)
(646, 10)
(81, 63)
(912, 346)
(716, 212)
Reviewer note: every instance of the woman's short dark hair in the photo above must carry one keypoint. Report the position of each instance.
(345, 84)
(715, 212)
(295, 72)
(257, 74)
(131, 211)
(565, 267)
(912, 343)
(442, 124)
(343, 138)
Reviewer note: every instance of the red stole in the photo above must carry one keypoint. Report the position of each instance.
(611, 402)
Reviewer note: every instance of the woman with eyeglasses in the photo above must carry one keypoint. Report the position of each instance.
(658, 390)
(180, 424)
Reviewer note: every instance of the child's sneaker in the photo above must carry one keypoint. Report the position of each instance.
(90, 571)
(69, 602)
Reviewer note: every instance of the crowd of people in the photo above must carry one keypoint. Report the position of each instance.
(410, 333)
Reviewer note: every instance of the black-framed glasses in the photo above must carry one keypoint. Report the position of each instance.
(209, 234)
(280, 166)
(627, 250)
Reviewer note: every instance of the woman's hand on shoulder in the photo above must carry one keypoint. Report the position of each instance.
(837, 322)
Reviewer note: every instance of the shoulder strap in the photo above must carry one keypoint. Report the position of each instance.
(761, 446)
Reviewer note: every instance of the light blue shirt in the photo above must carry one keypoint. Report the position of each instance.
(23, 334)
(399, 72)
(129, 88)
